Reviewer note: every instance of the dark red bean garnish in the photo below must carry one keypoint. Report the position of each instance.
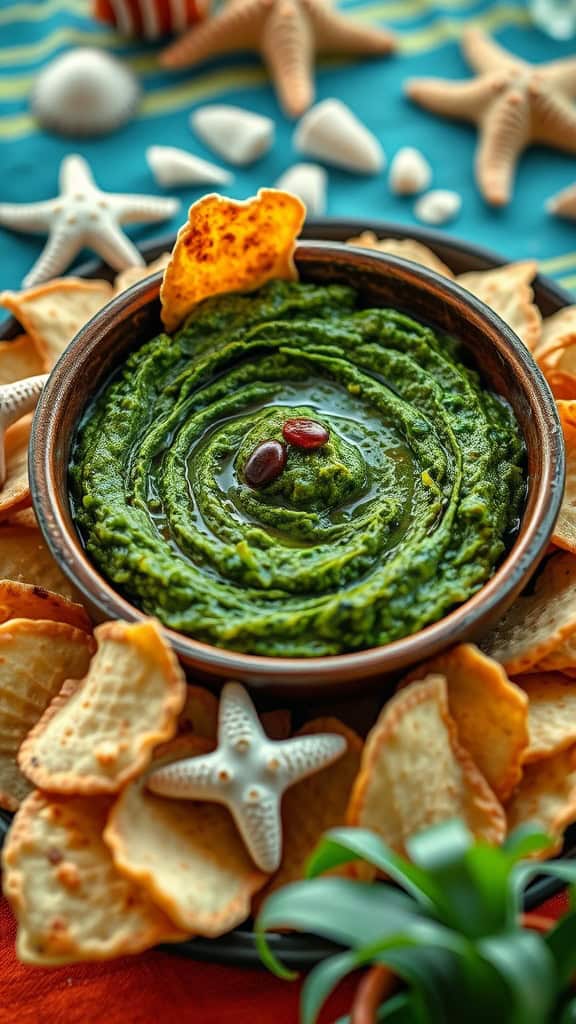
(305, 433)
(265, 464)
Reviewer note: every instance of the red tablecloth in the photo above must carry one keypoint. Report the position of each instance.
(153, 988)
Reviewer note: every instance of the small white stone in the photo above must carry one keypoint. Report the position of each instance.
(410, 172)
(85, 92)
(332, 133)
(438, 207)
(308, 182)
(174, 167)
(239, 136)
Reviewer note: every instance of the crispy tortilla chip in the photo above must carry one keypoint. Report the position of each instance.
(561, 659)
(537, 624)
(315, 804)
(490, 712)
(406, 248)
(564, 535)
(36, 657)
(19, 359)
(200, 713)
(546, 797)
(562, 385)
(70, 902)
(132, 275)
(52, 313)
(23, 601)
(551, 714)
(556, 348)
(507, 290)
(186, 854)
(23, 517)
(25, 558)
(415, 773)
(230, 246)
(15, 494)
(128, 702)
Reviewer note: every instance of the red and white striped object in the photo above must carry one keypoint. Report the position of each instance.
(151, 18)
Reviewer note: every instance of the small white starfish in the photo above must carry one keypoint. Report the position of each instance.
(15, 401)
(248, 773)
(83, 215)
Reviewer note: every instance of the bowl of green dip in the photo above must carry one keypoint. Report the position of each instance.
(169, 479)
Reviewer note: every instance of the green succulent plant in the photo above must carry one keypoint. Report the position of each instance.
(450, 928)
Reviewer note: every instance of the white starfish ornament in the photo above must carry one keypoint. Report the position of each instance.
(15, 401)
(83, 215)
(248, 773)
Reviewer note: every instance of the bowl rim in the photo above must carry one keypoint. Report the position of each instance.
(258, 670)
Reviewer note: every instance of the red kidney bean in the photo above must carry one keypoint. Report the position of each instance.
(304, 433)
(265, 464)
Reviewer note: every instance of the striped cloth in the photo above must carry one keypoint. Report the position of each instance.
(34, 31)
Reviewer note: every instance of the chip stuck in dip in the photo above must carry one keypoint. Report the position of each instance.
(288, 473)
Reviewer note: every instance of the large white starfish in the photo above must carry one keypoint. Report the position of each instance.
(83, 215)
(248, 773)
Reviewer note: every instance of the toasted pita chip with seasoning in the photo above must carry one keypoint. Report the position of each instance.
(132, 275)
(70, 902)
(200, 713)
(561, 659)
(538, 623)
(230, 246)
(128, 703)
(19, 359)
(315, 804)
(490, 712)
(546, 797)
(551, 714)
(36, 657)
(406, 248)
(564, 535)
(415, 773)
(52, 313)
(25, 558)
(507, 290)
(15, 493)
(556, 348)
(188, 855)
(23, 601)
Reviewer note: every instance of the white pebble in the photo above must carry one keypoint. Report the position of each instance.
(410, 172)
(438, 207)
(308, 182)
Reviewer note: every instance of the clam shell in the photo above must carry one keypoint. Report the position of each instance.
(171, 167)
(332, 133)
(153, 18)
(84, 92)
(438, 207)
(239, 136)
(410, 172)
(308, 182)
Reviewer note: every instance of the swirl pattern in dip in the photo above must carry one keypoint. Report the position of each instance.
(400, 516)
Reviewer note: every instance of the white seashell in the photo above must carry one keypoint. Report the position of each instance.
(308, 182)
(332, 133)
(237, 135)
(171, 166)
(85, 92)
(438, 206)
(15, 401)
(410, 172)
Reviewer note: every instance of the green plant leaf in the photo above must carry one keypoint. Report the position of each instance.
(561, 941)
(342, 845)
(567, 1014)
(523, 873)
(525, 963)
(524, 840)
(352, 913)
(403, 1008)
(321, 981)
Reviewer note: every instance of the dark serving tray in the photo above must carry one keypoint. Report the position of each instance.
(301, 951)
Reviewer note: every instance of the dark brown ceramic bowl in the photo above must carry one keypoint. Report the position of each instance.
(381, 280)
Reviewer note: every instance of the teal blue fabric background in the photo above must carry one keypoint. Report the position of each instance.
(32, 33)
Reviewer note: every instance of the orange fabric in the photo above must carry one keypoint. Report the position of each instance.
(154, 988)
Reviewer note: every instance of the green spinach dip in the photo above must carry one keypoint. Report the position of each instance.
(400, 516)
